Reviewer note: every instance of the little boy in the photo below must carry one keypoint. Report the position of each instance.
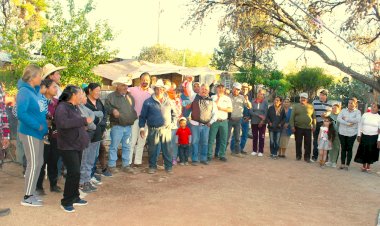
(183, 140)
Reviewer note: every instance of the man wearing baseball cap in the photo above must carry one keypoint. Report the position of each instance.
(120, 106)
(52, 72)
(302, 122)
(239, 102)
(322, 108)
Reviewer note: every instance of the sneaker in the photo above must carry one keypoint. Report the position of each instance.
(328, 164)
(31, 201)
(56, 189)
(92, 186)
(38, 197)
(254, 153)
(223, 159)
(113, 170)
(333, 165)
(128, 169)
(186, 163)
(181, 164)
(152, 171)
(40, 192)
(260, 154)
(80, 202)
(98, 177)
(95, 181)
(106, 173)
(87, 188)
(68, 209)
(312, 160)
(244, 153)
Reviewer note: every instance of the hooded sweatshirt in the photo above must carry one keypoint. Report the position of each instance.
(31, 110)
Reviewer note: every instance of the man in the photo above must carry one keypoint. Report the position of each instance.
(244, 121)
(302, 122)
(140, 94)
(5, 136)
(239, 102)
(322, 108)
(159, 113)
(52, 72)
(203, 114)
(120, 106)
(224, 106)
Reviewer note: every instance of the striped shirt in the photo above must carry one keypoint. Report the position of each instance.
(4, 125)
(321, 108)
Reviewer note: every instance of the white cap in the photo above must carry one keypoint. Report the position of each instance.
(237, 85)
(304, 95)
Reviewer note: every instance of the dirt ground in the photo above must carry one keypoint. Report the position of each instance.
(243, 191)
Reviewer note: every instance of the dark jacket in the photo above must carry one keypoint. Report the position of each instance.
(100, 123)
(72, 134)
(277, 121)
(126, 107)
(156, 114)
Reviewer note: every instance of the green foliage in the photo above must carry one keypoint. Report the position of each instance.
(162, 54)
(277, 84)
(342, 91)
(252, 76)
(309, 80)
(74, 43)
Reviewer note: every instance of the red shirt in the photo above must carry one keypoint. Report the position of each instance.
(183, 135)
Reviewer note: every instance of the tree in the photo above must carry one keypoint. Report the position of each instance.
(277, 84)
(342, 91)
(74, 43)
(309, 80)
(162, 54)
(299, 23)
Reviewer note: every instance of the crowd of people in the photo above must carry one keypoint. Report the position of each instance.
(188, 125)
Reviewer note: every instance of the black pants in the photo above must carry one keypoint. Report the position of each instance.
(72, 160)
(51, 156)
(183, 150)
(305, 135)
(346, 144)
(315, 141)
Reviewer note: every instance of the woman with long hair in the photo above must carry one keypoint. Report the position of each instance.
(368, 138)
(31, 114)
(276, 120)
(72, 140)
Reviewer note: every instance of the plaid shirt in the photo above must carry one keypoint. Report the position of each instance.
(4, 125)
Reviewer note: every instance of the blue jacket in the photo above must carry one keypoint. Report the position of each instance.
(31, 110)
(156, 114)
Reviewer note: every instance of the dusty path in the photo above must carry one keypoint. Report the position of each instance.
(248, 191)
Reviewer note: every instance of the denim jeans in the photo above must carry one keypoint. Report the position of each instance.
(120, 134)
(87, 163)
(274, 142)
(183, 150)
(159, 138)
(222, 128)
(243, 137)
(236, 125)
(174, 145)
(199, 142)
(93, 170)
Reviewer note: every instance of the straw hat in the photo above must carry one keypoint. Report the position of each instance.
(50, 68)
(159, 84)
(124, 80)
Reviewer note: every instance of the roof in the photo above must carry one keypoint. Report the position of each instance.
(112, 71)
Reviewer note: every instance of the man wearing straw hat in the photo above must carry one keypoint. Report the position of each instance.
(52, 72)
(120, 106)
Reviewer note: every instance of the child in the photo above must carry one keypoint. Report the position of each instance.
(184, 139)
(325, 139)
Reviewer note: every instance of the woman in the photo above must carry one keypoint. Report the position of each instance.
(72, 140)
(258, 113)
(286, 131)
(368, 134)
(276, 120)
(51, 154)
(31, 114)
(95, 104)
(348, 119)
(334, 152)
(89, 153)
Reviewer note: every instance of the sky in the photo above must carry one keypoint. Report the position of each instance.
(136, 25)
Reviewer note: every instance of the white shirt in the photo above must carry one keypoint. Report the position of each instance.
(222, 102)
(349, 126)
(369, 125)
